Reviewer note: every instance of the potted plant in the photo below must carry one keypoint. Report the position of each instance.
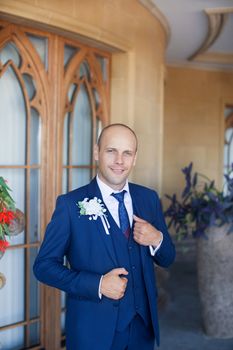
(12, 221)
(7, 214)
(207, 213)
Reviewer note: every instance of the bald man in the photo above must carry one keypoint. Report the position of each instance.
(111, 232)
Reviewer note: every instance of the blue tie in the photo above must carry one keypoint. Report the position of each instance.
(122, 212)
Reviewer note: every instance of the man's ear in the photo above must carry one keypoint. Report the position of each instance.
(135, 159)
(96, 152)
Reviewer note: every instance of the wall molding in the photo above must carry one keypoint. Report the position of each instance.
(27, 14)
(199, 66)
(217, 19)
(216, 57)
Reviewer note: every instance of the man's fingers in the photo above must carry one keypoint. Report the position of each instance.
(124, 282)
(137, 230)
(137, 219)
(119, 271)
(137, 238)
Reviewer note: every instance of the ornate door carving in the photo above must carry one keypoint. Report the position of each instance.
(54, 99)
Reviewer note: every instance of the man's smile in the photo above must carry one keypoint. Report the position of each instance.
(117, 171)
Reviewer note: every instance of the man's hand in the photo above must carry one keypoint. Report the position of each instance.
(146, 234)
(113, 285)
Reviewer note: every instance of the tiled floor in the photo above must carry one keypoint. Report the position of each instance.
(180, 322)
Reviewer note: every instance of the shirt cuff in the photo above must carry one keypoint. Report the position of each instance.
(154, 249)
(99, 293)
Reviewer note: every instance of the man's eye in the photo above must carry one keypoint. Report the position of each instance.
(128, 153)
(110, 150)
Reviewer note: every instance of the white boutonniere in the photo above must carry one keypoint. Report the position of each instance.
(94, 208)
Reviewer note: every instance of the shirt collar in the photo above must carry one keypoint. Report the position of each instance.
(107, 190)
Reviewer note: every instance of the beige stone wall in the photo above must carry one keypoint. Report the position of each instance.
(137, 64)
(193, 123)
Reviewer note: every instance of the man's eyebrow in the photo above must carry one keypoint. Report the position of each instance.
(129, 151)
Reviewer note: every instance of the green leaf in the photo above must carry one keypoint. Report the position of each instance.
(6, 229)
(1, 232)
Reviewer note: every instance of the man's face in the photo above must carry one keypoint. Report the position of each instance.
(116, 156)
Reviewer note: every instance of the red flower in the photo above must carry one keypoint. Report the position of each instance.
(6, 216)
(3, 245)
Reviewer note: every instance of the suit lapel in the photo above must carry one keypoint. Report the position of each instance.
(94, 191)
(138, 211)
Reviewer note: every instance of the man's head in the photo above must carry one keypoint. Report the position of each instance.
(116, 154)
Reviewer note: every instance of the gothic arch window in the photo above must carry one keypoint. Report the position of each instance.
(84, 113)
(54, 98)
(228, 139)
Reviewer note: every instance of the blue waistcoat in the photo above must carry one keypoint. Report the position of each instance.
(135, 300)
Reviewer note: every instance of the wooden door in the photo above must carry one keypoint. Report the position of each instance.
(54, 100)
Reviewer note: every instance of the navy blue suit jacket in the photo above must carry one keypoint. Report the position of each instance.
(90, 321)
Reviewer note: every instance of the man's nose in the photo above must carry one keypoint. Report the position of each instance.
(119, 158)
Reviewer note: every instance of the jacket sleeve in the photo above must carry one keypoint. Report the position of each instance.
(165, 255)
(49, 265)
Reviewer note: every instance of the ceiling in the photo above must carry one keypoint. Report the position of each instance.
(200, 31)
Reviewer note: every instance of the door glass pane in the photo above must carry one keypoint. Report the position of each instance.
(82, 129)
(13, 121)
(10, 52)
(29, 85)
(84, 70)
(34, 287)
(104, 66)
(34, 227)
(12, 339)
(63, 316)
(35, 137)
(69, 52)
(228, 146)
(63, 320)
(34, 331)
(99, 128)
(65, 184)
(80, 177)
(71, 91)
(66, 139)
(41, 46)
(12, 295)
(96, 98)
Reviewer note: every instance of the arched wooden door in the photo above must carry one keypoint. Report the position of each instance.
(54, 99)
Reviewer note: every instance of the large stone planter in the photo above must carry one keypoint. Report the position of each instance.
(215, 280)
